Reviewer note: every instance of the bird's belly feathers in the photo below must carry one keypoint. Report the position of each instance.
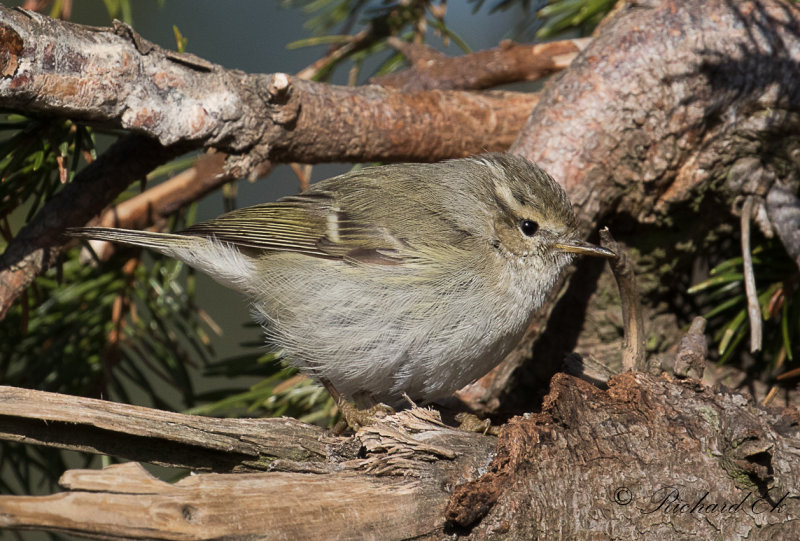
(376, 335)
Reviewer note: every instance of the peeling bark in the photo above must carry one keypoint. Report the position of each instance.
(648, 458)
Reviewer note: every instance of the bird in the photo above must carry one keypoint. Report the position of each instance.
(393, 282)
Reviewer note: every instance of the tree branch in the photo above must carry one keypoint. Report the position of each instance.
(622, 446)
(640, 121)
(508, 63)
(115, 78)
(159, 437)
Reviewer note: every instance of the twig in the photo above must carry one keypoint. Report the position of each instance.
(692, 351)
(633, 350)
(508, 63)
(303, 172)
(158, 202)
(753, 308)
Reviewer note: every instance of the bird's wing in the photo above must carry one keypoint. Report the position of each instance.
(310, 224)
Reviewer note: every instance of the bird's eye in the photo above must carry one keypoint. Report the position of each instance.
(528, 227)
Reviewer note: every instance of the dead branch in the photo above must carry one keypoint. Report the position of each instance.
(636, 473)
(159, 437)
(753, 308)
(634, 355)
(241, 506)
(629, 470)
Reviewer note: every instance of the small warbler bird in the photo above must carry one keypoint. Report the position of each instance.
(411, 279)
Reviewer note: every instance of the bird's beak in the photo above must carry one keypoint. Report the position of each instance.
(581, 247)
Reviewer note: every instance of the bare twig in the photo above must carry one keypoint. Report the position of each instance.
(692, 351)
(355, 43)
(753, 308)
(508, 63)
(633, 349)
(303, 172)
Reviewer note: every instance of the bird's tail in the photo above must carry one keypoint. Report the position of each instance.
(165, 243)
(220, 260)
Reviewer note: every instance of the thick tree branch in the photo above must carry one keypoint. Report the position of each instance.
(411, 477)
(116, 78)
(644, 117)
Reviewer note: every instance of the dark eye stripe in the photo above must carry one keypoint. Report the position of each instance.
(528, 227)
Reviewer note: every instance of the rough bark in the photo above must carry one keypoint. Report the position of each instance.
(675, 112)
(114, 77)
(665, 101)
(644, 460)
(648, 458)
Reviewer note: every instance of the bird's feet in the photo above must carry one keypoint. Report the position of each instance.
(355, 418)
(352, 416)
